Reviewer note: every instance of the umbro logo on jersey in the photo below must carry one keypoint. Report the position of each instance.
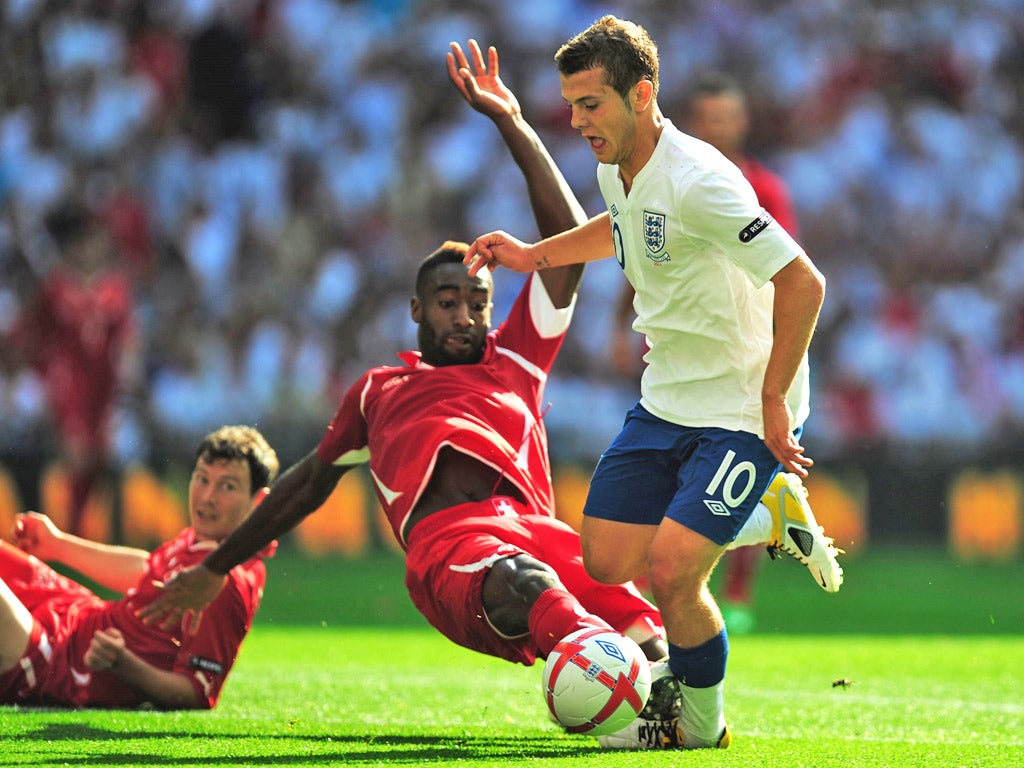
(756, 227)
(717, 507)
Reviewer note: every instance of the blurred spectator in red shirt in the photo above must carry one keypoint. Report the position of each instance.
(74, 332)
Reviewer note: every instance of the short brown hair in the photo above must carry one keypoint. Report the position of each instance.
(622, 48)
(246, 443)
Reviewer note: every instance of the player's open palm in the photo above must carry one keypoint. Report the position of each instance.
(480, 84)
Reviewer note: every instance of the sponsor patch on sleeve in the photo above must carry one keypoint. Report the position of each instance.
(207, 665)
(756, 227)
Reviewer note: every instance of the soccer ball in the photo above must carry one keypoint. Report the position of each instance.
(596, 681)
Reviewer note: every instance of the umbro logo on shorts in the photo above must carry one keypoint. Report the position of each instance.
(717, 507)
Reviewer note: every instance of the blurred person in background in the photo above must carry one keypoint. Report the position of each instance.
(76, 331)
(63, 645)
(715, 110)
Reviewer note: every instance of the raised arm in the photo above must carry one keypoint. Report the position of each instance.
(117, 568)
(554, 205)
(299, 492)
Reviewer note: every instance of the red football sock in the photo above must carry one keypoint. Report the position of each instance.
(555, 614)
(740, 570)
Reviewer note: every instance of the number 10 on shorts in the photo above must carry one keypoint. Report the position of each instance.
(735, 483)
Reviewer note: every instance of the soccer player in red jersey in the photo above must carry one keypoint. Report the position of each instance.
(63, 645)
(457, 448)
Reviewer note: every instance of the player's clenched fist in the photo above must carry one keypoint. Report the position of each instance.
(105, 649)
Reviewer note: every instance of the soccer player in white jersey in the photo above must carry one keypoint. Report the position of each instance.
(728, 302)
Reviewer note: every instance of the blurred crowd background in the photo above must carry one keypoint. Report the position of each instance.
(211, 210)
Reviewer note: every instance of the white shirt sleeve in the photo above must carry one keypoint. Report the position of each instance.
(547, 319)
(725, 212)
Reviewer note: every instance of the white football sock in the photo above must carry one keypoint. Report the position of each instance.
(757, 529)
(702, 718)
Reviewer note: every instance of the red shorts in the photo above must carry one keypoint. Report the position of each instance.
(451, 551)
(56, 603)
(34, 582)
(22, 681)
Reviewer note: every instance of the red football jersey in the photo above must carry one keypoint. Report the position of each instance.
(399, 417)
(70, 614)
(75, 333)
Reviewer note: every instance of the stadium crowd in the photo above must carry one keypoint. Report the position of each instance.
(267, 174)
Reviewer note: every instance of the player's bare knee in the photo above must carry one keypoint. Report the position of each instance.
(606, 570)
(511, 588)
(677, 578)
(597, 570)
(595, 565)
(15, 629)
(611, 565)
(529, 577)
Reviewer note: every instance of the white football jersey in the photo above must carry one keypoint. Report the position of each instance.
(700, 252)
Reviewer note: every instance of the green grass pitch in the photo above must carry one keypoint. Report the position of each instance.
(341, 670)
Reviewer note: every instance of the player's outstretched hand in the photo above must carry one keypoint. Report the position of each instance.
(184, 597)
(480, 84)
(499, 249)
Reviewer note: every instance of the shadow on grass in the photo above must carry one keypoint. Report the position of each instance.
(85, 745)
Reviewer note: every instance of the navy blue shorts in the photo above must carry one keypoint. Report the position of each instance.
(705, 478)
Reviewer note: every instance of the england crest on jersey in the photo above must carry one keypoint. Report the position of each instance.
(654, 231)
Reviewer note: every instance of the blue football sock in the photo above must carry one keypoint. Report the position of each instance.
(702, 666)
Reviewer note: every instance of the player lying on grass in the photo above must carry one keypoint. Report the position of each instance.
(457, 448)
(62, 645)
